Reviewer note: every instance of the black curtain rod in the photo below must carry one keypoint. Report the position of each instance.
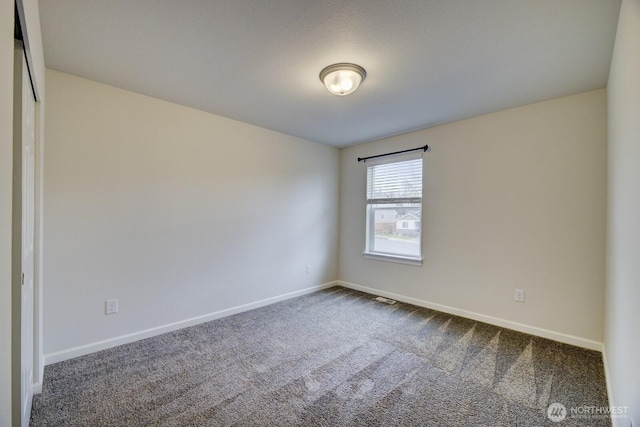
(364, 159)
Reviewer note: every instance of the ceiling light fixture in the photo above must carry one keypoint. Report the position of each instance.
(343, 78)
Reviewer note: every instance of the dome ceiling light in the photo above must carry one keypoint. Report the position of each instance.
(343, 78)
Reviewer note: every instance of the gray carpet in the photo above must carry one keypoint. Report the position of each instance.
(331, 358)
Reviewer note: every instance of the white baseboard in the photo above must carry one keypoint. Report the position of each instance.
(37, 385)
(70, 353)
(532, 330)
(605, 362)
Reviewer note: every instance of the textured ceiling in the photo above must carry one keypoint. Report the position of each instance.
(428, 61)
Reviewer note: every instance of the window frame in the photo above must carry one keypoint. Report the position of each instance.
(370, 213)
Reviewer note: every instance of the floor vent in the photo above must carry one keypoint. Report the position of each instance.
(385, 300)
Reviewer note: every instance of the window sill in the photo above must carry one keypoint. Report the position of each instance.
(393, 258)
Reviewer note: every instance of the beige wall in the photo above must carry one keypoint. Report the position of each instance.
(6, 167)
(622, 320)
(514, 199)
(175, 212)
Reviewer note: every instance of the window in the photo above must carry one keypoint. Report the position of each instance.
(394, 210)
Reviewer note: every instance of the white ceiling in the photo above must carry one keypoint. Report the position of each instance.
(428, 61)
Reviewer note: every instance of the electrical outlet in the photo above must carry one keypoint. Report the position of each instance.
(308, 270)
(111, 306)
(518, 295)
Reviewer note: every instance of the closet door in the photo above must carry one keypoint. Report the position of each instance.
(24, 197)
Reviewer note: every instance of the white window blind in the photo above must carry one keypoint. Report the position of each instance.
(395, 182)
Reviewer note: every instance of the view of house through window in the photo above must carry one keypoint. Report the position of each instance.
(394, 208)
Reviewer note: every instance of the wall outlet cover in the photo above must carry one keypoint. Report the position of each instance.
(111, 306)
